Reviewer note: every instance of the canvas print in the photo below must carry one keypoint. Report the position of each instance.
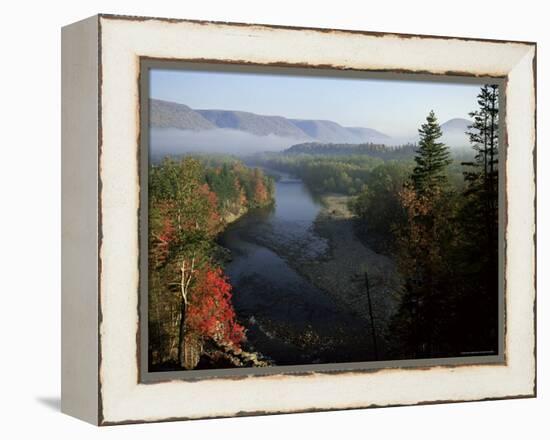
(305, 219)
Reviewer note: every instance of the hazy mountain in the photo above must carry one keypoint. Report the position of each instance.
(456, 124)
(325, 131)
(178, 128)
(330, 131)
(369, 135)
(252, 123)
(454, 132)
(454, 135)
(165, 114)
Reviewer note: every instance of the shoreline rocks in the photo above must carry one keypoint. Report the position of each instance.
(341, 272)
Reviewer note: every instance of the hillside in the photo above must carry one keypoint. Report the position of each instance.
(454, 132)
(165, 114)
(325, 131)
(456, 125)
(252, 123)
(369, 133)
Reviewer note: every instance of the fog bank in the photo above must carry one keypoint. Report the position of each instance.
(173, 142)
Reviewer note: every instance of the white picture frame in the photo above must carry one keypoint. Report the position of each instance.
(101, 59)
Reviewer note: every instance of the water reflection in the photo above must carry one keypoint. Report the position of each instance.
(289, 320)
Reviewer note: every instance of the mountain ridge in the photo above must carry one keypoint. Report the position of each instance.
(167, 114)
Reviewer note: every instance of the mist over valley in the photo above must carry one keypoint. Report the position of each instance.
(177, 129)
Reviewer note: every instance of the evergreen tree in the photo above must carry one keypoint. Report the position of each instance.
(422, 245)
(432, 157)
(482, 176)
(479, 223)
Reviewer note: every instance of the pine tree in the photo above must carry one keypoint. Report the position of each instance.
(479, 221)
(482, 176)
(422, 243)
(432, 157)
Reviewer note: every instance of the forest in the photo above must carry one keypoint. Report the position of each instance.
(191, 316)
(436, 215)
(431, 211)
(444, 236)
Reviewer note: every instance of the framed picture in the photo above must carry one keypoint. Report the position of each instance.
(262, 219)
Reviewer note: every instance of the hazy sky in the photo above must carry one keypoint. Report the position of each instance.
(396, 108)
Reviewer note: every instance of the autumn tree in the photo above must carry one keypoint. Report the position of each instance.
(184, 221)
(162, 303)
(221, 180)
(261, 195)
(190, 304)
(211, 314)
(422, 241)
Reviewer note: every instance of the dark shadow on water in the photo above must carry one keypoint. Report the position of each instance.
(52, 403)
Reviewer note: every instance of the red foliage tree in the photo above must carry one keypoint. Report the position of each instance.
(211, 313)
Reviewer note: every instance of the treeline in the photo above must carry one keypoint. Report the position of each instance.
(342, 174)
(340, 168)
(347, 174)
(444, 236)
(191, 317)
(381, 151)
(238, 187)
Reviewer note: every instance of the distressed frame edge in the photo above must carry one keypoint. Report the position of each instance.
(124, 17)
(104, 422)
(535, 209)
(80, 121)
(315, 410)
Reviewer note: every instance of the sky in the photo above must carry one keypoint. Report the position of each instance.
(396, 108)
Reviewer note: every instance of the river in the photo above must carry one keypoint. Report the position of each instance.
(289, 320)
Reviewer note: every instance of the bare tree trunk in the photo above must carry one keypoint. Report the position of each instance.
(186, 276)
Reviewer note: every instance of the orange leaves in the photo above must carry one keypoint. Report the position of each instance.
(422, 238)
(185, 216)
(261, 194)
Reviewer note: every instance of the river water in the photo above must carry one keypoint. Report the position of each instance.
(289, 320)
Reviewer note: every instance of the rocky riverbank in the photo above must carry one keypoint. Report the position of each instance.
(341, 272)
